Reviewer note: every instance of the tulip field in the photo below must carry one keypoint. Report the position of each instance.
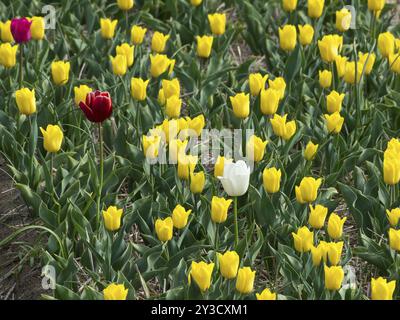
(201, 149)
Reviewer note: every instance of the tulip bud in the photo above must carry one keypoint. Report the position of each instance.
(315, 8)
(266, 294)
(255, 148)
(37, 28)
(329, 47)
(269, 101)
(282, 128)
(241, 105)
(125, 4)
(341, 63)
(287, 37)
(60, 72)
(333, 277)
(119, 64)
(173, 107)
(196, 3)
(394, 62)
(343, 20)
(151, 146)
(186, 166)
(245, 280)
(381, 289)
(217, 23)
(335, 226)
(177, 148)
(317, 216)
(26, 101)
(393, 216)
(219, 209)
(319, 253)
(257, 83)
(171, 88)
(21, 30)
(386, 44)
(197, 124)
(303, 239)
(325, 78)
(164, 229)
(350, 72)
(53, 137)
(367, 61)
(128, 51)
(112, 218)
(204, 46)
(115, 292)
(334, 252)
(391, 169)
(278, 84)
(306, 34)
(81, 93)
(289, 5)
(310, 151)
(139, 88)
(236, 178)
(159, 41)
(272, 180)
(137, 34)
(219, 166)
(394, 239)
(8, 55)
(5, 31)
(197, 182)
(180, 216)
(108, 28)
(376, 5)
(307, 191)
(228, 264)
(160, 64)
(334, 122)
(201, 273)
(334, 102)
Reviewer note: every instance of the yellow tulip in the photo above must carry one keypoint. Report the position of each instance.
(350, 73)
(164, 229)
(307, 191)
(306, 34)
(108, 28)
(196, 3)
(381, 289)
(334, 102)
(177, 148)
(287, 37)
(394, 146)
(125, 4)
(334, 252)
(333, 277)
(173, 107)
(204, 46)
(343, 20)
(139, 88)
(219, 209)
(180, 216)
(5, 34)
(80, 93)
(112, 218)
(282, 128)
(201, 273)
(128, 51)
(119, 64)
(171, 88)
(394, 239)
(160, 64)
(341, 63)
(219, 166)
(217, 23)
(170, 129)
(315, 8)
(329, 47)
(303, 239)
(245, 280)
(325, 78)
(137, 34)
(272, 179)
(161, 97)
(394, 62)
(257, 83)
(37, 28)
(53, 137)
(278, 84)
(8, 55)
(334, 122)
(391, 170)
(26, 101)
(310, 151)
(255, 148)
(367, 60)
(266, 294)
(115, 292)
(186, 166)
(386, 44)
(317, 216)
(197, 182)
(269, 101)
(60, 72)
(393, 216)
(241, 105)
(289, 5)
(376, 5)
(159, 41)
(335, 226)
(197, 124)
(319, 253)
(151, 145)
(228, 264)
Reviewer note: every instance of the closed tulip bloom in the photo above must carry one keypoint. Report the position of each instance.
(139, 88)
(197, 182)
(334, 122)
(196, 3)
(317, 216)
(394, 146)
(269, 101)
(159, 64)
(341, 63)
(151, 146)
(255, 148)
(173, 107)
(112, 218)
(381, 289)
(228, 264)
(386, 44)
(5, 31)
(367, 60)
(137, 34)
(303, 239)
(394, 62)
(257, 83)
(307, 191)
(115, 292)
(241, 105)
(197, 124)
(319, 253)
(217, 23)
(8, 55)
(164, 229)
(266, 294)
(245, 280)
(272, 179)
(350, 73)
(170, 129)
(37, 28)
(219, 209)
(236, 178)
(343, 20)
(325, 78)
(119, 64)
(204, 46)
(315, 8)
(278, 84)
(376, 5)
(60, 72)
(186, 166)
(335, 226)
(329, 47)
(81, 93)
(128, 51)
(108, 28)
(159, 41)
(334, 251)
(306, 34)
(21, 30)
(180, 216)
(219, 166)
(333, 277)
(334, 101)
(310, 151)
(171, 88)
(282, 128)
(177, 148)
(201, 273)
(97, 107)
(287, 37)
(394, 239)
(391, 171)
(26, 101)
(393, 216)
(125, 4)
(289, 5)
(53, 137)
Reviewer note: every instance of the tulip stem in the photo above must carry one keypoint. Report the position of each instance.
(101, 170)
(21, 61)
(235, 214)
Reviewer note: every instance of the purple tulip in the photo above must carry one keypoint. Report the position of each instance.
(21, 29)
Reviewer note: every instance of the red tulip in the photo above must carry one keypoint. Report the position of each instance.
(98, 106)
(21, 29)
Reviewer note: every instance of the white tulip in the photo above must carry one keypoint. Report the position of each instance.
(236, 178)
